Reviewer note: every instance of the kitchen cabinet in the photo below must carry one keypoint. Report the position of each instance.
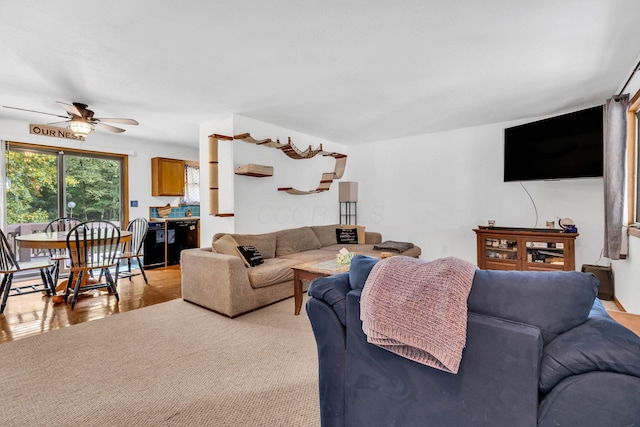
(507, 248)
(167, 177)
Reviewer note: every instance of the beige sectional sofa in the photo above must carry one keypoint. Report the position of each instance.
(218, 279)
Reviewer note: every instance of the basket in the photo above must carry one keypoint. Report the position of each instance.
(164, 211)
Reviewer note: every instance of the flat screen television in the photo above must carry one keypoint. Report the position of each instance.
(561, 147)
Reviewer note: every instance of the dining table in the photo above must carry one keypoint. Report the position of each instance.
(56, 240)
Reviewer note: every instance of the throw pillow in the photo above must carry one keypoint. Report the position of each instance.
(250, 255)
(226, 245)
(361, 266)
(360, 230)
(346, 235)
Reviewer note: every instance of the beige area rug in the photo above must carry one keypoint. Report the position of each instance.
(171, 364)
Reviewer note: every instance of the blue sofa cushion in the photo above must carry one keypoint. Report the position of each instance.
(554, 301)
(359, 270)
(333, 291)
(599, 344)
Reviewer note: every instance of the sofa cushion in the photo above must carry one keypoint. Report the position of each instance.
(273, 271)
(250, 255)
(361, 266)
(264, 243)
(599, 344)
(226, 245)
(296, 240)
(326, 234)
(318, 255)
(554, 301)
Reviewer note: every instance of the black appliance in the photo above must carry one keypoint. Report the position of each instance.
(182, 234)
(166, 239)
(154, 245)
(566, 146)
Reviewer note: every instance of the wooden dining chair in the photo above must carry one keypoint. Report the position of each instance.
(92, 245)
(133, 248)
(58, 256)
(9, 266)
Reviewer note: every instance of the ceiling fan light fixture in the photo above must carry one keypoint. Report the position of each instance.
(80, 128)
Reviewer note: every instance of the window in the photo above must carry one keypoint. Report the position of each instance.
(44, 183)
(191, 184)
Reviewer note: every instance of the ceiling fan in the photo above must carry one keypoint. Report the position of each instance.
(80, 120)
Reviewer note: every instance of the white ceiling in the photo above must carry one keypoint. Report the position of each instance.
(347, 71)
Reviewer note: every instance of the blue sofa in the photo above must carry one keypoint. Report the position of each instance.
(541, 351)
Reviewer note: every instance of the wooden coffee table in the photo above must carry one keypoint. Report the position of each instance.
(312, 270)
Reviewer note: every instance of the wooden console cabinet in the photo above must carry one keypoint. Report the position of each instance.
(506, 248)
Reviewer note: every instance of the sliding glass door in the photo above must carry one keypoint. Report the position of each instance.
(42, 184)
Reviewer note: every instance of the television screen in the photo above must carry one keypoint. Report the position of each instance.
(567, 146)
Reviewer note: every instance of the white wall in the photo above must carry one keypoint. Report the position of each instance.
(257, 204)
(434, 189)
(139, 152)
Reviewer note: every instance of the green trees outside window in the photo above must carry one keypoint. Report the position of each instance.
(43, 185)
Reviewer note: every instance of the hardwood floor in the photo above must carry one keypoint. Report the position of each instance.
(33, 314)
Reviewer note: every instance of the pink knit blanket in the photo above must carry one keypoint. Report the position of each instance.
(418, 309)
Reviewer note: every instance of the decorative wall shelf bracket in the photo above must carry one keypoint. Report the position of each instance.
(295, 153)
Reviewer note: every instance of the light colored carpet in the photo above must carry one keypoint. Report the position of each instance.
(171, 364)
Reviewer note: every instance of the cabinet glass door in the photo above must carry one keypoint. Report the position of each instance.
(549, 253)
(505, 249)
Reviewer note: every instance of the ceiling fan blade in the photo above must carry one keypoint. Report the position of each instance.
(59, 123)
(71, 109)
(120, 121)
(34, 111)
(109, 128)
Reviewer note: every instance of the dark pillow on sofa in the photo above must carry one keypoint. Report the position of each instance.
(554, 301)
(347, 235)
(359, 270)
(599, 344)
(250, 255)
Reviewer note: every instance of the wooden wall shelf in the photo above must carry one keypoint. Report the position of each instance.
(251, 169)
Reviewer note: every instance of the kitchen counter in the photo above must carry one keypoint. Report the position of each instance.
(186, 218)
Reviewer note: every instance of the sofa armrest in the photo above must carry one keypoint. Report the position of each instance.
(592, 399)
(599, 344)
(331, 345)
(332, 291)
(372, 237)
(215, 281)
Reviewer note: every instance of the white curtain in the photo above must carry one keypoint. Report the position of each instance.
(615, 141)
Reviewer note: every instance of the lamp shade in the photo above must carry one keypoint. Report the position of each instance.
(80, 128)
(348, 191)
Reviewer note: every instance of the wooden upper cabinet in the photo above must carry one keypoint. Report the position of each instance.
(167, 177)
